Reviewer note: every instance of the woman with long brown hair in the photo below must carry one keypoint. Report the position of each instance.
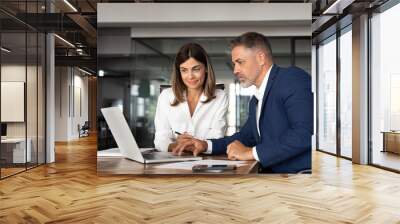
(192, 106)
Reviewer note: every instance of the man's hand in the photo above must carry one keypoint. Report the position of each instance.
(187, 143)
(237, 151)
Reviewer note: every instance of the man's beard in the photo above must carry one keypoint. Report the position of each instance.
(245, 83)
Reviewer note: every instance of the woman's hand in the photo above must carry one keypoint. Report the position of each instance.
(183, 136)
(189, 144)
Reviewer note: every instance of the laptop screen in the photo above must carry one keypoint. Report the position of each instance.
(122, 133)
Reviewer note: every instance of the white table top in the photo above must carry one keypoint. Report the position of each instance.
(13, 140)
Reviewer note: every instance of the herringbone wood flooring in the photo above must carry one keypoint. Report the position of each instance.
(69, 191)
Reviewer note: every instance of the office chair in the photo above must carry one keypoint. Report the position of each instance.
(84, 130)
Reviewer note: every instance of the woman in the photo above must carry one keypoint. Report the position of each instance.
(193, 105)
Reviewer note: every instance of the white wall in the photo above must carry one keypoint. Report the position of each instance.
(62, 80)
(201, 13)
(69, 82)
(79, 117)
(199, 19)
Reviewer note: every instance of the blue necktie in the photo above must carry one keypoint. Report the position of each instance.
(255, 113)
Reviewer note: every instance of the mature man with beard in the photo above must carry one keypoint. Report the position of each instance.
(279, 127)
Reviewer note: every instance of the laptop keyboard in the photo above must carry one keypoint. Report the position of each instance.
(148, 156)
(161, 155)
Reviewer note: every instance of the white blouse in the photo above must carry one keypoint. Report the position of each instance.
(208, 120)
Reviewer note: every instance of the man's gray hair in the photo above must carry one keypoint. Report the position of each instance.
(253, 40)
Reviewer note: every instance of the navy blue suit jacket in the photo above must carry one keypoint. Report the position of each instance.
(286, 123)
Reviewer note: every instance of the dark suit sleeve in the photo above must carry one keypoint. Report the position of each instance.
(245, 136)
(297, 101)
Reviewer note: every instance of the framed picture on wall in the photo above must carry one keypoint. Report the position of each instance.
(12, 101)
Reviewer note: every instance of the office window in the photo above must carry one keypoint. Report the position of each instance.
(327, 95)
(385, 87)
(346, 92)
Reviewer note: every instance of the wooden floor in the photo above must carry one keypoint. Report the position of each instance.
(69, 191)
(386, 159)
(5, 172)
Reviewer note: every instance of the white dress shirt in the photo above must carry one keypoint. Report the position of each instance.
(208, 120)
(259, 94)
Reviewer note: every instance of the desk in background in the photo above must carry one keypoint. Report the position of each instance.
(121, 166)
(13, 150)
(391, 141)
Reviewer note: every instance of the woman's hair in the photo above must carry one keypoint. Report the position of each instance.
(192, 50)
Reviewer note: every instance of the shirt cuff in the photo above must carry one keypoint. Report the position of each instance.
(162, 144)
(255, 155)
(209, 147)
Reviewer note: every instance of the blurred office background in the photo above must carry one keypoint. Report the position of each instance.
(133, 68)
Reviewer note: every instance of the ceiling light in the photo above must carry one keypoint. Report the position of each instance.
(70, 5)
(338, 6)
(64, 40)
(101, 73)
(5, 50)
(84, 71)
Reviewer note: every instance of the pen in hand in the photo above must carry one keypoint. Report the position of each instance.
(177, 133)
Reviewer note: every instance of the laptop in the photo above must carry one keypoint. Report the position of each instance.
(127, 143)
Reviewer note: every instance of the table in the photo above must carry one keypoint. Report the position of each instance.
(391, 141)
(121, 166)
(16, 153)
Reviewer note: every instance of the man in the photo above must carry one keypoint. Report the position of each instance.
(278, 130)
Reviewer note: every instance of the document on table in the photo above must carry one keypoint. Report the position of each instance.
(188, 165)
(113, 152)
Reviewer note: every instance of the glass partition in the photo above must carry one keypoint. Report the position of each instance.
(14, 144)
(22, 90)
